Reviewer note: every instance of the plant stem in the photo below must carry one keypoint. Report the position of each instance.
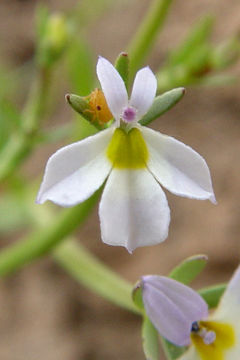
(41, 241)
(21, 143)
(90, 272)
(146, 34)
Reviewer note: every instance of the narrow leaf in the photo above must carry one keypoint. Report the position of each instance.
(163, 103)
(80, 67)
(198, 34)
(150, 340)
(189, 268)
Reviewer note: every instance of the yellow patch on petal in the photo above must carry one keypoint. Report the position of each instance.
(128, 150)
(225, 339)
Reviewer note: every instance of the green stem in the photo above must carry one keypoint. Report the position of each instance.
(35, 107)
(90, 272)
(76, 260)
(41, 241)
(147, 32)
(21, 143)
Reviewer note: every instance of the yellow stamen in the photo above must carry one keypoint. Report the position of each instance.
(127, 150)
(225, 339)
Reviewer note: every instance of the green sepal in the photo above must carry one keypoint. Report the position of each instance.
(137, 295)
(81, 106)
(213, 294)
(188, 270)
(161, 104)
(150, 340)
(172, 351)
(122, 66)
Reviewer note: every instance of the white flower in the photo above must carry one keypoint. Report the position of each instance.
(218, 337)
(134, 160)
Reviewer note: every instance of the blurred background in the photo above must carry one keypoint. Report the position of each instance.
(45, 314)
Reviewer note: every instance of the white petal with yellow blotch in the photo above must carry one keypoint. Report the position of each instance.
(133, 210)
(227, 312)
(76, 171)
(178, 167)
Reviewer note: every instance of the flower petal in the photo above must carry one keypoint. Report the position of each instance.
(133, 210)
(144, 91)
(172, 307)
(113, 87)
(228, 309)
(178, 167)
(76, 171)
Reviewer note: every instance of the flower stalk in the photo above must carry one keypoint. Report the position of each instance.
(40, 242)
(90, 272)
(21, 143)
(144, 38)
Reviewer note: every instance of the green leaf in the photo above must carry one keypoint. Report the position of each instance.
(212, 294)
(14, 215)
(189, 268)
(122, 66)
(80, 66)
(42, 15)
(10, 121)
(56, 134)
(217, 80)
(150, 340)
(198, 35)
(171, 351)
(162, 103)
(94, 274)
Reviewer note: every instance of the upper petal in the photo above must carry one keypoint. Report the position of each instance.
(172, 307)
(133, 210)
(144, 91)
(178, 167)
(76, 171)
(228, 310)
(113, 87)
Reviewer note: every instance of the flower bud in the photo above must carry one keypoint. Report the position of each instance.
(172, 307)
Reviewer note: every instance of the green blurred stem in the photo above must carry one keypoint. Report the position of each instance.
(21, 143)
(90, 272)
(77, 261)
(44, 239)
(146, 34)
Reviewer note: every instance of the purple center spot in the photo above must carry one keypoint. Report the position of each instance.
(129, 114)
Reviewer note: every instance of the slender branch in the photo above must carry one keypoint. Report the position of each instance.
(90, 272)
(21, 143)
(42, 240)
(147, 33)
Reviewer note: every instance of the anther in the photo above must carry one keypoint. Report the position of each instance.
(195, 327)
(129, 114)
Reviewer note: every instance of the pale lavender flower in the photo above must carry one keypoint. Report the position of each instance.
(172, 307)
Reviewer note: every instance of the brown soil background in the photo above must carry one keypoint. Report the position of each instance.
(44, 314)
